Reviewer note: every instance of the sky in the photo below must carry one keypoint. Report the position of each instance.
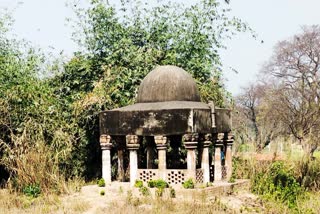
(43, 22)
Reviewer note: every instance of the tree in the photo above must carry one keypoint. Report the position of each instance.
(126, 41)
(121, 43)
(256, 112)
(295, 100)
(37, 134)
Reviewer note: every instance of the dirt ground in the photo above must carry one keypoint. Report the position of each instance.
(120, 198)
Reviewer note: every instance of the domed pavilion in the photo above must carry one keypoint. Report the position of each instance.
(175, 130)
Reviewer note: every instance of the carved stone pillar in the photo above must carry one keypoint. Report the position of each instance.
(205, 158)
(161, 142)
(190, 143)
(133, 146)
(217, 158)
(106, 157)
(228, 163)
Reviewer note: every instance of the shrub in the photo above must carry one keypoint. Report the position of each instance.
(144, 191)
(308, 173)
(151, 184)
(278, 182)
(101, 183)
(32, 190)
(159, 192)
(138, 184)
(172, 192)
(188, 184)
(160, 183)
(102, 192)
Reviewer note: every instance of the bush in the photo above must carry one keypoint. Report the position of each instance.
(138, 184)
(144, 191)
(308, 173)
(172, 192)
(159, 192)
(160, 183)
(278, 182)
(32, 190)
(102, 192)
(188, 184)
(101, 183)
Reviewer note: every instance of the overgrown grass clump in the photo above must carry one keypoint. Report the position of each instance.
(159, 183)
(188, 184)
(277, 182)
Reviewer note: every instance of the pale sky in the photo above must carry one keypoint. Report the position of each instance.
(43, 23)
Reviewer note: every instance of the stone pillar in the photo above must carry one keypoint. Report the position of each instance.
(205, 158)
(161, 142)
(106, 157)
(190, 143)
(217, 158)
(133, 146)
(228, 162)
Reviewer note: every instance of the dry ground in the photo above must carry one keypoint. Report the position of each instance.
(120, 198)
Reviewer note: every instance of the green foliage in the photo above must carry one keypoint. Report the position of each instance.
(49, 116)
(101, 182)
(144, 191)
(102, 192)
(37, 136)
(159, 192)
(32, 190)
(159, 183)
(138, 184)
(278, 182)
(308, 173)
(172, 192)
(188, 184)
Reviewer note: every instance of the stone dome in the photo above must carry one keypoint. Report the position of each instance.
(168, 83)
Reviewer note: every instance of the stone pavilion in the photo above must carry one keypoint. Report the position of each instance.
(181, 136)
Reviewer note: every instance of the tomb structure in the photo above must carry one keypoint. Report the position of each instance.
(168, 133)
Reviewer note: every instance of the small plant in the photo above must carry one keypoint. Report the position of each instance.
(209, 184)
(172, 192)
(144, 191)
(32, 190)
(160, 183)
(101, 183)
(188, 184)
(120, 190)
(151, 184)
(102, 192)
(159, 192)
(232, 179)
(129, 197)
(138, 184)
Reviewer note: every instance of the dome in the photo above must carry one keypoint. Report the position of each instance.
(168, 83)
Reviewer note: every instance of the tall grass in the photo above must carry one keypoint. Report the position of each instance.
(286, 185)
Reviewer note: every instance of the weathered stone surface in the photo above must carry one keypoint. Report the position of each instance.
(223, 120)
(164, 118)
(168, 105)
(168, 83)
(150, 119)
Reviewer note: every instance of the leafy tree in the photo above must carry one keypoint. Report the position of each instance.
(37, 135)
(126, 41)
(121, 43)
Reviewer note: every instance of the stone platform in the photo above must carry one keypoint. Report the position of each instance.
(203, 194)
